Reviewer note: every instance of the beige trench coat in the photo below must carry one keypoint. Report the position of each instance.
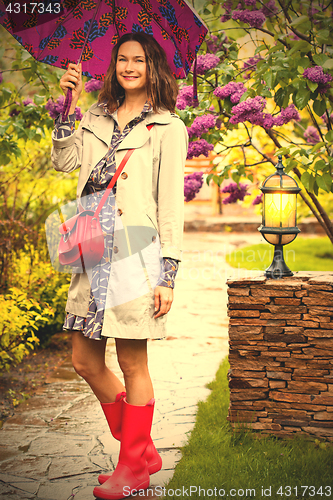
(150, 194)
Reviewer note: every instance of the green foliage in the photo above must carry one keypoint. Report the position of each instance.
(20, 319)
(23, 77)
(29, 190)
(43, 284)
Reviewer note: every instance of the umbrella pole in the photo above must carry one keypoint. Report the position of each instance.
(68, 99)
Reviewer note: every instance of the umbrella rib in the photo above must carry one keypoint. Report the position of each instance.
(89, 30)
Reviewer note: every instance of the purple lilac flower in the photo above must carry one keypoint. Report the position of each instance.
(206, 62)
(249, 110)
(237, 192)
(15, 111)
(324, 118)
(311, 135)
(199, 147)
(312, 12)
(316, 74)
(270, 9)
(185, 97)
(232, 89)
(251, 65)
(227, 7)
(55, 108)
(267, 121)
(250, 3)
(93, 85)
(78, 114)
(27, 101)
(287, 114)
(213, 44)
(192, 185)
(201, 125)
(255, 18)
(258, 199)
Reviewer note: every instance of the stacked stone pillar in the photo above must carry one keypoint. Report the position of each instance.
(281, 354)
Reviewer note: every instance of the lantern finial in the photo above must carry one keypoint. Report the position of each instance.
(279, 166)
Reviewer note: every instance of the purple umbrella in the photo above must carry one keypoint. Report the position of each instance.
(59, 33)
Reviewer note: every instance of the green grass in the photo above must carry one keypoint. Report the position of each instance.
(216, 456)
(303, 254)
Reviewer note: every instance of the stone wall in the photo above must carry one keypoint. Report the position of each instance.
(281, 354)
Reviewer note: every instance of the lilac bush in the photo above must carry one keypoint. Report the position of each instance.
(197, 148)
(232, 90)
(214, 44)
(201, 125)
(258, 199)
(93, 85)
(311, 135)
(55, 108)
(206, 62)
(236, 192)
(255, 18)
(185, 97)
(281, 93)
(192, 185)
(317, 75)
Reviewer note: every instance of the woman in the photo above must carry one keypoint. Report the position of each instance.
(127, 295)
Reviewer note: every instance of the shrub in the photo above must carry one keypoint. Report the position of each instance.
(20, 318)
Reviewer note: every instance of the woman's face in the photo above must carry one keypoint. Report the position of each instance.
(131, 67)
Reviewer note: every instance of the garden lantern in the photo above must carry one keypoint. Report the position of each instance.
(279, 217)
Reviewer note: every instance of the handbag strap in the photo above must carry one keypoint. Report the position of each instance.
(115, 176)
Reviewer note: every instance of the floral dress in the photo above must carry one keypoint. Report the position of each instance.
(101, 175)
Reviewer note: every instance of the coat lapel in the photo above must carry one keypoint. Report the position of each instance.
(139, 135)
(100, 125)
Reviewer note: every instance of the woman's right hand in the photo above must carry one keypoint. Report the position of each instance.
(72, 79)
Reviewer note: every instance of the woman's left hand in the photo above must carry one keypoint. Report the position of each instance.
(163, 300)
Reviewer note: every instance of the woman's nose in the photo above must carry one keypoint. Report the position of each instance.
(129, 66)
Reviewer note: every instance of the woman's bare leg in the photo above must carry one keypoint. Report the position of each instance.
(133, 361)
(88, 357)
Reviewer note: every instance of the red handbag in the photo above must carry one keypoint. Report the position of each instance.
(82, 241)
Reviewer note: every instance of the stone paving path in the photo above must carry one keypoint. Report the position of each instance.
(57, 442)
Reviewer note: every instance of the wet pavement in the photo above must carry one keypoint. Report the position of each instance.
(58, 441)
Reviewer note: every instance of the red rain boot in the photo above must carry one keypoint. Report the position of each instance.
(113, 414)
(131, 472)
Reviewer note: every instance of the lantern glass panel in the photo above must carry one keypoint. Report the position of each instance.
(277, 239)
(280, 210)
(280, 181)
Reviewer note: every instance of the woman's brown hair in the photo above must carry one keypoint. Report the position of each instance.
(162, 88)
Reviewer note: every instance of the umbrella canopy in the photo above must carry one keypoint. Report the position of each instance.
(55, 32)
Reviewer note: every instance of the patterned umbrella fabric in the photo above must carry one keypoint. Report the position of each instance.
(54, 31)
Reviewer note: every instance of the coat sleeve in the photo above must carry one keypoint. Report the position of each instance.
(66, 153)
(173, 152)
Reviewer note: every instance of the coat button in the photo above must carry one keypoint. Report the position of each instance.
(124, 175)
(115, 249)
(153, 239)
(119, 211)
